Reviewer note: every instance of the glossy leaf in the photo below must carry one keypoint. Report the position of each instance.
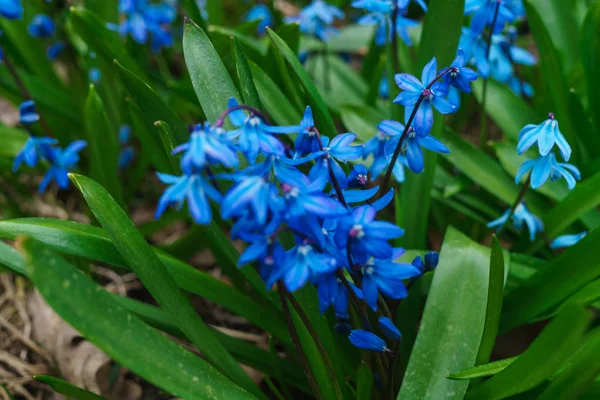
(11, 258)
(13, 140)
(67, 389)
(453, 321)
(210, 78)
(244, 76)
(536, 364)
(484, 370)
(103, 145)
(364, 382)
(590, 53)
(97, 315)
(156, 278)
(166, 137)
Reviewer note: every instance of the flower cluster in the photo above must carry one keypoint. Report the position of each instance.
(317, 19)
(546, 135)
(496, 56)
(303, 217)
(145, 21)
(385, 14)
(261, 13)
(37, 149)
(42, 27)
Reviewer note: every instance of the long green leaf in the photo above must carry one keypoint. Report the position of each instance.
(494, 303)
(536, 364)
(364, 382)
(103, 145)
(67, 389)
(210, 78)
(13, 140)
(97, 315)
(323, 118)
(156, 278)
(590, 56)
(93, 243)
(453, 321)
(11, 258)
(244, 75)
(551, 285)
(482, 371)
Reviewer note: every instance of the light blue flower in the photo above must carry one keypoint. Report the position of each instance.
(27, 113)
(358, 177)
(62, 161)
(303, 262)
(545, 167)
(94, 75)
(367, 341)
(383, 19)
(304, 198)
(55, 50)
(250, 193)
(339, 149)
(522, 216)
(483, 14)
(262, 13)
(332, 292)
(144, 21)
(389, 329)
(41, 26)
(11, 9)
(413, 89)
(459, 75)
(546, 135)
(567, 240)
(317, 19)
(32, 152)
(192, 187)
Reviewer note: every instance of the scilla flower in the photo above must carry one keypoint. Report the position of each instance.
(144, 21)
(389, 329)
(567, 240)
(546, 135)
(62, 161)
(380, 14)
(262, 13)
(434, 95)
(521, 216)
(545, 167)
(41, 26)
(459, 75)
(27, 113)
(317, 19)
(367, 340)
(11, 9)
(32, 152)
(484, 11)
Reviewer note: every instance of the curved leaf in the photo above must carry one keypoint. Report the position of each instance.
(64, 387)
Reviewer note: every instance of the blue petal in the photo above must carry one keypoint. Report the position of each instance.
(389, 329)
(367, 340)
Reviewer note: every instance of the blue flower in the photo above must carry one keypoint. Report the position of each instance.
(62, 161)
(386, 276)
(33, 151)
(522, 216)
(259, 244)
(546, 135)
(567, 240)
(261, 12)
(545, 167)
(11, 9)
(27, 113)
(367, 340)
(504, 54)
(432, 259)
(304, 197)
(301, 263)
(365, 236)
(341, 149)
(475, 50)
(41, 26)
(483, 14)
(520, 87)
(459, 75)
(206, 146)
(414, 89)
(192, 187)
(124, 134)
(332, 292)
(252, 193)
(384, 88)
(126, 157)
(143, 21)
(358, 177)
(94, 75)
(317, 19)
(55, 50)
(383, 20)
(411, 145)
(388, 328)
(307, 141)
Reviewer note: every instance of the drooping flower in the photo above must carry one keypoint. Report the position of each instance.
(304, 197)
(62, 161)
(459, 75)
(332, 292)
(504, 54)
(55, 50)
(193, 188)
(32, 152)
(251, 193)
(567, 240)
(27, 113)
(380, 14)
(522, 216)
(412, 144)
(358, 177)
(262, 13)
(11, 9)
(432, 259)
(144, 21)
(317, 19)
(41, 26)
(545, 167)
(433, 94)
(546, 135)
(302, 262)
(340, 149)
(127, 152)
(367, 340)
(389, 329)
(484, 11)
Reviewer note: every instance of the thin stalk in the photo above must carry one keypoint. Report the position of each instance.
(388, 173)
(520, 198)
(316, 339)
(24, 92)
(254, 111)
(354, 300)
(483, 125)
(296, 340)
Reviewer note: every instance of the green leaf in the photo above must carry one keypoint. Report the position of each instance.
(322, 116)
(152, 106)
(278, 104)
(93, 243)
(482, 371)
(494, 303)
(156, 278)
(106, 43)
(362, 120)
(364, 382)
(192, 11)
(441, 31)
(216, 10)
(551, 285)
(166, 137)
(99, 317)
(108, 10)
(11, 258)
(453, 321)
(13, 140)
(244, 76)
(67, 389)
(103, 145)
(536, 364)
(210, 78)
(579, 374)
(508, 110)
(590, 56)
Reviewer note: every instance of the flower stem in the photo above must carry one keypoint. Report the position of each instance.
(520, 197)
(254, 111)
(316, 339)
(296, 340)
(388, 173)
(483, 125)
(24, 92)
